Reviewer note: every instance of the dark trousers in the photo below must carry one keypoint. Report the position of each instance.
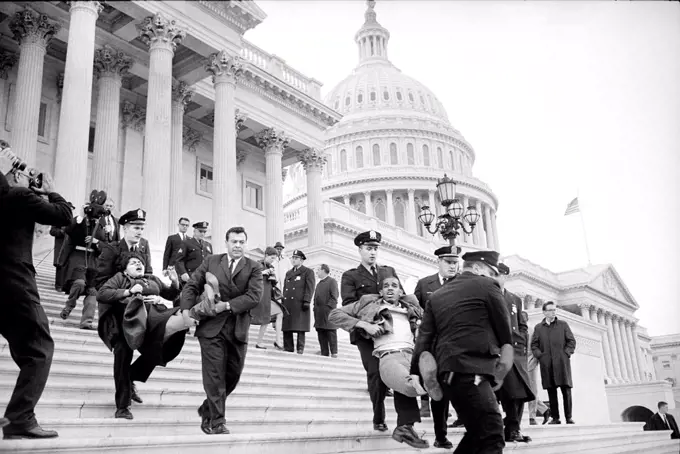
(328, 340)
(440, 416)
(125, 371)
(513, 409)
(407, 408)
(78, 289)
(27, 330)
(477, 407)
(288, 341)
(554, 406)
(222, 358)
(59, 277)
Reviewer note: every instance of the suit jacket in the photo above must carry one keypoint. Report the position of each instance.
(172, 245)
(297, 297)
(426, 287)
(325, 300)
(107, 262)
(656, 423)
(243, 290)
(101, 234)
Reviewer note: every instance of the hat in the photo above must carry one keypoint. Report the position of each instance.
(299, 253)
(371, 238)
(488, 257)
(270, 251)
(137, 216)
(278, 244)
(503, 269)
(447, 251)
(200, 225)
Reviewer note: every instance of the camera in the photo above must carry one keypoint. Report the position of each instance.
(16, 164)
(95, 209)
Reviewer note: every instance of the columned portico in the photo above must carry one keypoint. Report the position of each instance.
(181, 95)
(489, 229)
(273, 142)
(639, 358)
(618, 335)
(494, 230)
(224, 68)
(481, 234)
(606, 348)
(631, 351)
(110, 66)
(313, 161)
(585, 310)
(611, 335)
(33, 32)
(162, 36)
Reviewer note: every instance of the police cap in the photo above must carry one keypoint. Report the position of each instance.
(447, 251)
(200, 225)
(503, 269)
(488, 257)
(299, 253)
(137, 216)
(370, 238)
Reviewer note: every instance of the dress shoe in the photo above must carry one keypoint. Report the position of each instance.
(406, 434)
(456, 423)
(570, 421)
(37, 432)
(278, 346)
(444, 444)
(299, 352)
(555, 421)
(88, 327)
(532, 422)
(134, 396)
(334, 355)
(381, 427)
(124, 413)
(517, 436)
(425, 411)
(205, 422)
(428, 370)
(546, 416)
(260, 346)
(4, 422)
(219, 429)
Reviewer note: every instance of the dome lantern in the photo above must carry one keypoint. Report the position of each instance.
(372, 38)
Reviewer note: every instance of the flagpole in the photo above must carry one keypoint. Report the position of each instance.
(583, 225)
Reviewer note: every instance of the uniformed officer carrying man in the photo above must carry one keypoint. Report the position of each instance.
(473, 350)
(192, 252)
(355, 283)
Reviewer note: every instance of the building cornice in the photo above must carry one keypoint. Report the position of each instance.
(244, 15)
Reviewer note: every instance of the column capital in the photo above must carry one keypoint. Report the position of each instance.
(224, 67)
(109, 62)
(181, 93)
(93, 7)
(271, 139)
(156, 30)
(584, 305)
(389, 191)
(133, 116)
(28, 26)
(239, 119)
(191, 138)
(411, 192)
(312, 159)
(7, 61)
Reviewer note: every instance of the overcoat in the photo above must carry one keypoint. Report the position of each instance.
(426, 287)
(172, 245)
(261, 314)
(516, 382)
(325, 300)
(190, 255)
(553, 345)
(297, 298)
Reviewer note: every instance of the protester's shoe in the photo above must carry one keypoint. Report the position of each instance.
(219, 429)
(36, 432)
(425, 411)
(134, 396)
(555, 421)
(205, 422)
(532, 422)
(406, 434)
(428, 370)
(570, 421)
(456, 423)
(381, 427)
(517, 436)
(546, 416)
(444, 444)
(415, 380)
(124, 413)
(206, 305)
(65, 312)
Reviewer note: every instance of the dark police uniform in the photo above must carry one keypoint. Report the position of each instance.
(298, 289)
(172, 245)
(23, 322)
(356, 283)
(469, 319)
(192, 252)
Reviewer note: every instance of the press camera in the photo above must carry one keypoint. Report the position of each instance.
(16, 164)
(95, 209)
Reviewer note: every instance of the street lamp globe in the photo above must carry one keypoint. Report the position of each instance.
(455, 209)
(426, 216)
(472, 215)
(447, 190)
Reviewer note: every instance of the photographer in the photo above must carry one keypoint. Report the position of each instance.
(23, 322)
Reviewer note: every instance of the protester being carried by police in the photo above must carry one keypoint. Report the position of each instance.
(23, 322)
(390, 319)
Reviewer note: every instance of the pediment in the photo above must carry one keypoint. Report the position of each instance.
(609, 282)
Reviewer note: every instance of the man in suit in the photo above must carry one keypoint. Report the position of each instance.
(448, 262)
(473, 350)
(297, 298)
(108, 230)
(192, 252)
(173, 243)
(365, 280)
(224, 337)
(516, 389)
(325, 300)
(662, 420)
(23, 322)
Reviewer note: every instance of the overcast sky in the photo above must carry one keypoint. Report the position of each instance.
(555, 98)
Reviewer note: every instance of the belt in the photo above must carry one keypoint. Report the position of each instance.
(83, 248)
(389, 352)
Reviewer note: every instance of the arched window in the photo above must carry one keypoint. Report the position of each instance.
(440, 157)
(399, 96)
(343, 161)
(376, 154)
(359, 157)
(410, 156)
(328, 168)
(361, 206)
(386, 95)
(372, 96)
(419, 225)
(422, 100)
(410, 97)
(380, 210)
(461, 168)
(399, 213)
(426, 155)
(360, 98)
(452, 160)
(337, 103)
(347, 101)
(394, 159)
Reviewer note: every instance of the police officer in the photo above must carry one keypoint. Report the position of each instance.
(355, 283)
(23, 322)
(473, 349)
(192, 252)
(297, 297)
(448, 262)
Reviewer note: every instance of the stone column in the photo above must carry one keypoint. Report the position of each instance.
(488, 231)
(411, 212)
(585, 310)
(110, 66)
(606, 349)
(626, 350)
(480, 226)
(181, 95)
(345, 199)
(494, 230)
(227, 191)
(33, 32)
(631, 351)
(390, 207)
(162, 36)
(313, 161)
(368, 203)
(638, 354)
(618, 337)
(611, 336)
(273, 142)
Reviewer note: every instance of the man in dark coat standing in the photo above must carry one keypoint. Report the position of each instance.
(516, 389)
(663, 421)
(192, 252)
(23, 322)
(174, 242)
(553, 344)
(109, 227)
(224, 337)
(325, 300)
(59, 235)
(365, 280)
(473, 351)
(448, 262)
(297, 298)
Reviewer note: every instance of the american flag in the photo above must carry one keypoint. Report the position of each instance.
(572, 207)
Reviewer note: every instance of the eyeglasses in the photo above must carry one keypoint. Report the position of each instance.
(184, 225)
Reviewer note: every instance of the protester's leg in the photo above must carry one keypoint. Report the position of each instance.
(395, 373)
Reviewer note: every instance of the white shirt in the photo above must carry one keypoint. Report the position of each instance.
(235, 264)
(401, 336)
(441, 279)
(663, 417)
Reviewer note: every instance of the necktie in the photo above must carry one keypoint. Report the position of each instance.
(665, 421)
(231, 265)
(134, 248)
(374, 273)
(109, 235)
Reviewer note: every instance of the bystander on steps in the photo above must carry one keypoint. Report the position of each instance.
(303, 404)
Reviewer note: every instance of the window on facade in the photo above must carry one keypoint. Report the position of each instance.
(410, 155)
(451, 160)
(343, 160)
(337, 103)
(42, 119)
(376, 154)
(426, 155)
(380, 210)
(410, 97)
(359, 157)
(372, 96)
(422, 100)
(440, 158)
(394, 159)
(347, 101)
(328, 168)
(253, 195)
(461, 169)
(205, 179)
(666, 364)
(399, 213)
(386, 95)
(399, 97)
(90, 140)
(360, 98)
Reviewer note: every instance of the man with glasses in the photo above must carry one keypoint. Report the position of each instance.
(553, 344)
(173, 243)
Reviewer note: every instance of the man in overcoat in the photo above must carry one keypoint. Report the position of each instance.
(223, 337)
(174, 242)
(192, 252)
(553, 344)
(109, 227)
(516, 389)
(298, 289)
(325, 300)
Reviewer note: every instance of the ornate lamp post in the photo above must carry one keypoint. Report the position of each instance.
(455, 216)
